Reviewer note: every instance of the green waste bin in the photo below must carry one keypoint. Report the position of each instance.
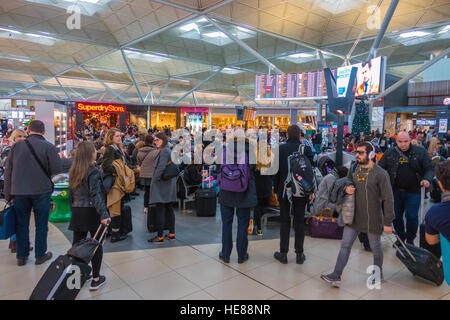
(60, 197)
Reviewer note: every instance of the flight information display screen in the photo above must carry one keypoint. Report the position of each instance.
(301, 86)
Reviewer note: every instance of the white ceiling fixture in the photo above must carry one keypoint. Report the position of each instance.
(231, 71)
(88, 1)
(445, 29)
(217, 34)
(189, 27)
(414, 34)
(31, 37)
(145, 56)
(301, 55)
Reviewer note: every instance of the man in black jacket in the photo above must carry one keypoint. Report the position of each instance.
(29, 186)
(292, 145)
(409, 168)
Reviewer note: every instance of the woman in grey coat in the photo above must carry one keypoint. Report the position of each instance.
(163, 192)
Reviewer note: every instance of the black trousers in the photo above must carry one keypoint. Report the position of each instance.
(146, 196)
(259, 210)
(164, 210)
(298, 211)
(98, 256)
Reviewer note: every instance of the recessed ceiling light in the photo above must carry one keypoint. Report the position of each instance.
(414, 34)
(445, 29)
(243, 29)
(231, 71)
(145, 56)
(189, 27)
(301, 55)
(216, 35)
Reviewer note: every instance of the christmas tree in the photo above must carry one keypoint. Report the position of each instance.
(361, 122)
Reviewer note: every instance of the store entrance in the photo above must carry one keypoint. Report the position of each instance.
(98, 119)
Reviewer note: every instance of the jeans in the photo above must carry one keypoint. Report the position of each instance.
(98, 256)
(348, 239)
(298, 212)
(164, 210)
(243, 216)
(409, 203)
(41, 207)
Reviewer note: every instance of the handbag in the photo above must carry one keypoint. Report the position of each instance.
(85, 249)
(171, 171)
(7, 222)
(325, 226)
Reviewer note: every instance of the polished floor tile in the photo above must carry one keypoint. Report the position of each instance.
(315, 289)
(391, 291)
(207, 273)
(201, 295)
(240, 288)
(125, 293)
(140, 269)
(168, 286)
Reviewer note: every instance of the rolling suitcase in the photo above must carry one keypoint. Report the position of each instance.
(65, 276)
(436, 248)
(420, 262)
(206, 199)
(126, 220)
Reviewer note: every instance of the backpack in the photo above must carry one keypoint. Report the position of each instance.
(300, 181)
(234, 177)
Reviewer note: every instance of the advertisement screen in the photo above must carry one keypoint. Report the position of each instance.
(368, 78)
(443, 125)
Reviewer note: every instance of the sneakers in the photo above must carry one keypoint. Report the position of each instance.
(259, 232)
(334, 281)
(116, 236)
(169, 236)
(243, 259)
(95, 285)
(300, 258)
(156, 240)
(221, 257)
(282, 257)
(47, 257)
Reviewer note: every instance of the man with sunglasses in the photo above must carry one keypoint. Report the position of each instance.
(371, 188)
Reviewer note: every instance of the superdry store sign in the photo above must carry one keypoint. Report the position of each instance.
(100, 108)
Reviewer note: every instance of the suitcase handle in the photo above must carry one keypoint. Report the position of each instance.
(102, 237)
(403, 245)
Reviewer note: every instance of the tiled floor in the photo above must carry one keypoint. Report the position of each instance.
(189, 268)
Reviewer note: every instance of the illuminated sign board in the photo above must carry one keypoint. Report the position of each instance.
(100, 108)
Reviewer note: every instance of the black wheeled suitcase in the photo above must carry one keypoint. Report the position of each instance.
(420, 262)
(126, 220)
(436, 248)
(206, 202)
(65, 276)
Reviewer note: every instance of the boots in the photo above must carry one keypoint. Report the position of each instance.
(115, 230)
(12, 246)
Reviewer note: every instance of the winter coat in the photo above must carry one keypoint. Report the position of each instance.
(146, 157)
(112, 152)
(246, 199)
(162, 191)
(322, 199)
(419, 161)
(338, 190)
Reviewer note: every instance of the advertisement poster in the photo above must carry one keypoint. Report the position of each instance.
(194, 120)
(443, 125)
(368, 78)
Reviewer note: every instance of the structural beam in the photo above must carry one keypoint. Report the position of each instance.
(383, 28)
(125, 59)
(412, 75)
(297, 42)
(163, 92)
(247, 95)
(198, 86)
(241, 43)
(62, 87)
(103, 84)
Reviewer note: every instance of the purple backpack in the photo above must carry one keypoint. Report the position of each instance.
(233, 177)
